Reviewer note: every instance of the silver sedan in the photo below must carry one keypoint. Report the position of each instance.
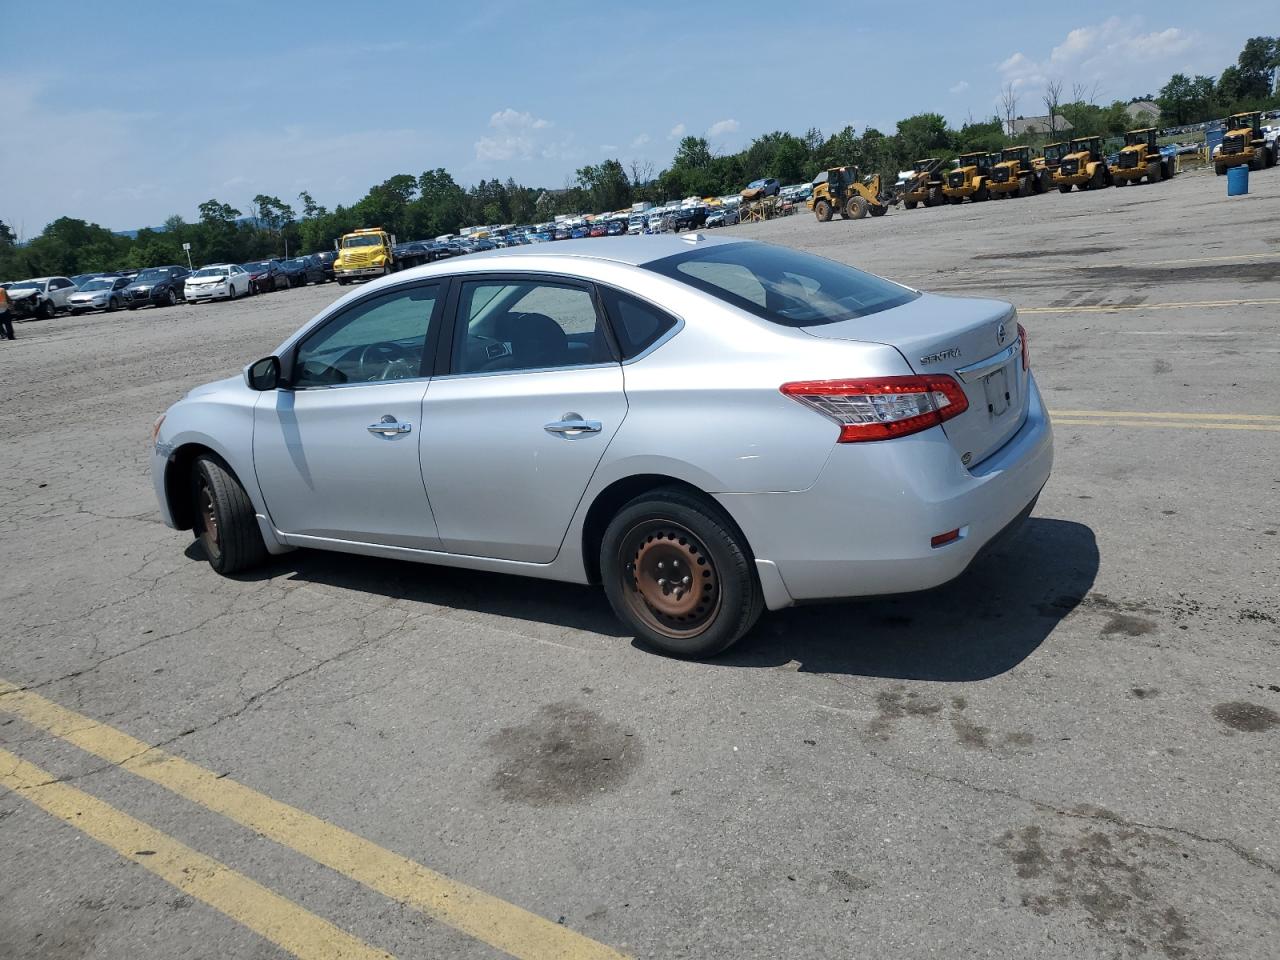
(704, 427)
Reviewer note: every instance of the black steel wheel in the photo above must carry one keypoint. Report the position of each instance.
(676, 571)
(225, 521)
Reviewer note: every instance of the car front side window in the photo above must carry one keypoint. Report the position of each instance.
(378, 339)
(508, 325)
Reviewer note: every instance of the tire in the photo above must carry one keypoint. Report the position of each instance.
(1044, 182)
(1155, 172)
(225, 523)
(1257, 160)
(954, 201)
(342, 281)
(1219, 169)
(821, 210)
(879, 210)
(47, 310)
(982, 194)
(171, 298)
(1098, 180)
(937, 196)
(1122, 183)
(909, 204)
(113, 305)
(1065, 188)
(231, 290)
(855, 208)
(691, 533)
(1024, 187)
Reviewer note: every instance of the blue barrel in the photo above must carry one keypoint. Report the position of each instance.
(1238, 181)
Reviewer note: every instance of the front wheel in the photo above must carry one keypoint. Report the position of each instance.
(1065, 188)
(855, 209)
(113, 305)
(225, 523)
(822, 210)
(170, 299)
(47, 310)
(676, 572)
(909, 204)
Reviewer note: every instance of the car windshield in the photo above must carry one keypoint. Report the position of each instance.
(26, 285)
(782, 285)
(755, 184)
(97, 285)
(362, 241)
(152, 276)
(262, 266)
(211, 272)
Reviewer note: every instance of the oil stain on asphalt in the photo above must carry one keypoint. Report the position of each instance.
(566, 754)
(1246, 717)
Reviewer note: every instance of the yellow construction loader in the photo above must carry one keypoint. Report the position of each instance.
(1141, 157)
(924, 185)
(1016, 174)
(1083, 166)
(969, 178)
(845, 191)
(1243, 144)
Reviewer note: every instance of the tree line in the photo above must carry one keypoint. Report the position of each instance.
(433, 203)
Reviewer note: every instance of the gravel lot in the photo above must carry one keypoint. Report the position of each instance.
(1073, 751)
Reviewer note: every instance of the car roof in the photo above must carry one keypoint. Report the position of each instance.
(635, 251)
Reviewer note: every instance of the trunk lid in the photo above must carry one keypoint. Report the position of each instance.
(975, 341)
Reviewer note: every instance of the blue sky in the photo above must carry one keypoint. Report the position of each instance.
(126, 116)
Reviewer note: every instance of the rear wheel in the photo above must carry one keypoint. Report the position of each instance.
(1098, 180)
(879, 210)
(981, 194)
(225, 523)
(1121, 182)
(1155, 172)
(1065, 188)
(1219, 169)
(855, 209)
(1257, 160)
(677, 573)
(909, 204)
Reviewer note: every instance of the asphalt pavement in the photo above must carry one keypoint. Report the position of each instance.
(1072, 751)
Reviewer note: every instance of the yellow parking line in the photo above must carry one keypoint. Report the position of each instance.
(1122, 307)
(1264, 417)
(1183, 424)
(266, 913)
(1166, 263)
(479, 915)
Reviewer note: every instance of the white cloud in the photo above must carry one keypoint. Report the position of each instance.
(677, 132)
(1117, 56)
(721, 127)
(640, 141)
(960, 87)
(516, 137)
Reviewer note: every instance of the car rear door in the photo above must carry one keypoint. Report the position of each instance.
(336, 454)
(514, 428)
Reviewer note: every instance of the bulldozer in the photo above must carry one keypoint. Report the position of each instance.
(1243, 143)
(1017, 174)
(1141, 157)
(924, 185)
(969, 178)
(845, 191)
(1083, 166)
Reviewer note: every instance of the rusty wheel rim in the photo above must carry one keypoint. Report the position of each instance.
(671, 582)
(209, 522)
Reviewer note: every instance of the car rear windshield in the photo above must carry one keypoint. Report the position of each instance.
(781, 285)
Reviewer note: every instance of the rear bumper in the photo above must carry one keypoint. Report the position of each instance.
(864, 527)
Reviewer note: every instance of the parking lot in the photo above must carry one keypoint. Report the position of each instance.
(1072, 751)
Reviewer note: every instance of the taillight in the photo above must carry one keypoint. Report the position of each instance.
(1022, 337)
(882, 407)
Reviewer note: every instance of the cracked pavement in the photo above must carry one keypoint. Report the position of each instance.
(1072, 751)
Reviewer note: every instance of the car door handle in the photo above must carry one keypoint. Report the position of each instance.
(389, 426)
(572, 425)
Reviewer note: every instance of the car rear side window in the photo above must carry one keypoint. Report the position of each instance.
(783, 286)
(638, 324)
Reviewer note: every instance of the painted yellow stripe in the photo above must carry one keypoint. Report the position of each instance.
(1119, 308)
(1183, 424)
(1262, 417)
(480, 915)
(1166, 263)
(266, 913)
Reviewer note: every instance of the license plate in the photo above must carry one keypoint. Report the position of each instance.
(996, 386)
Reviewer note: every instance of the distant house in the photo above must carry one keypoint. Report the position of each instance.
(1021, 125)
(1138, 107)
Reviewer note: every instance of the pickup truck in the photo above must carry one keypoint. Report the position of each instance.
(41, 297)
(363, 254)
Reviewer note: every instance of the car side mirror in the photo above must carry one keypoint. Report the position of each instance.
(264, 374)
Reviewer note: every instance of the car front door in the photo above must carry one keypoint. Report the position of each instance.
(512, 433)
(336, 452)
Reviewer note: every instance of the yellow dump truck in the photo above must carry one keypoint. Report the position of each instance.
(363, 254)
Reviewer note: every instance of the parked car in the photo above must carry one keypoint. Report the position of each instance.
(853, 437)
(266, 275)
(579, 232)
(722, 217)
(482, 244)
(41, 297)
(689, 218)
(81, 278)
(636, 223)
(767, 187)
(157, 286)
(98, 293)
(300, 271)
(562, 231)
(325, 258)
(224, 281)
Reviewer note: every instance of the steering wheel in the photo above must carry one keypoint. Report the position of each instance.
(392, 356)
